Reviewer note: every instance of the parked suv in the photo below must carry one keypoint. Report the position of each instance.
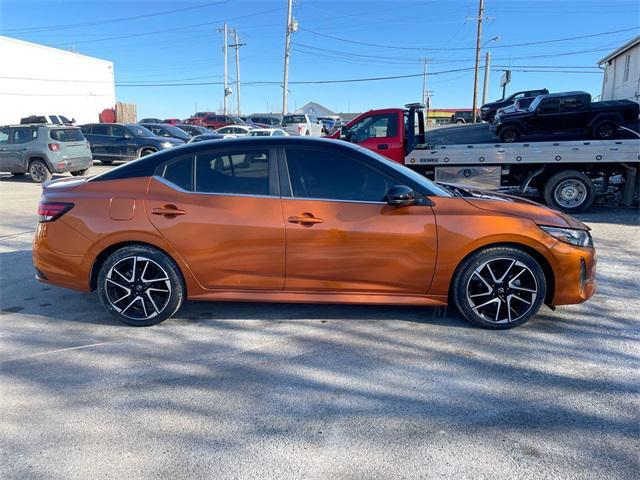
(488, 110)
(196, 118)
(117, 141)
(43, 150)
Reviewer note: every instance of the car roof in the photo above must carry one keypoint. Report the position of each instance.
(564, 94)
(43, 125)
(154, 124)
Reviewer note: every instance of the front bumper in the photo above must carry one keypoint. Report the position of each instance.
(575, 274)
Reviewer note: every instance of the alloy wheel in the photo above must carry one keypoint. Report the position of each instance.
(502, 290)
(138, 288)
(38, 172)
(570, 193)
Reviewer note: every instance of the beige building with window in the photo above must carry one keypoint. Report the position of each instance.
(622, 73)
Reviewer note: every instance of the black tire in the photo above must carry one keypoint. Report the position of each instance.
(509, 134)
(307, 134)
(106, 162)
(569, 191)
(525, 269)
(165, 305)
(460, 120)
(146, 151)
(80, 173)
(39, 171)
(604, 130)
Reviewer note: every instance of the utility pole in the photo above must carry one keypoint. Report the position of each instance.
(475, 74)
(426, 100)
(287, 46)
(237, 46)
(485, 86)
(224, 54)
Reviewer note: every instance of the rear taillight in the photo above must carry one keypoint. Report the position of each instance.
(54, 147)
(300, 129)
(88, 144)
(50, 211)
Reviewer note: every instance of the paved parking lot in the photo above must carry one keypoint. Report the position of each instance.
(229, 390)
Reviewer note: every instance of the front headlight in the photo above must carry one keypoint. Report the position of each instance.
(166, 145)
(579, 238)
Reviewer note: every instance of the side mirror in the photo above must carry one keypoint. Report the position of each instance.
(400, 196)
(345, 134)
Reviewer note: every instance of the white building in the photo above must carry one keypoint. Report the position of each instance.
(40, 80)
(622, 73)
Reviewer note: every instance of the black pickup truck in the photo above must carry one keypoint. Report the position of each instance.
(488, 110)
(567, 112)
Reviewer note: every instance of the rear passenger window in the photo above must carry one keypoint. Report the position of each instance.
(243, 173)
(179, 172)
(100, 130)
(23, 135)
(550, 105)
(572, 104)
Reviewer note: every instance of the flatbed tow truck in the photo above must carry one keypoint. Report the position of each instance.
(568, 174)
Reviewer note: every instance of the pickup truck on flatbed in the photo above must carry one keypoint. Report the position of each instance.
(566, 112)
(569, 175)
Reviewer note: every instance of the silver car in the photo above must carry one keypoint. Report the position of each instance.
(42, 150)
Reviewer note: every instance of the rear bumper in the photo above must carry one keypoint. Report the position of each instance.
(71, 164)
(57, 258)
(575, 274)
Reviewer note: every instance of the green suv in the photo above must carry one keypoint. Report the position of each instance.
(42, 150)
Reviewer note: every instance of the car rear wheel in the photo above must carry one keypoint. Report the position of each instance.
(140, 285)
(39, 171)
(499, 288)
(509, 134)
(604, 130)
(570, 191)
(79, 173)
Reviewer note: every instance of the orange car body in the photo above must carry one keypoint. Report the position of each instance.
(246, 248)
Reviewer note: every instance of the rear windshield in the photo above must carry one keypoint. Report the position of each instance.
(293, 119)
(67, 135)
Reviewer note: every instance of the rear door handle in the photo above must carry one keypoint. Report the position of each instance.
(305, 219)
(383, 146)
(168, 211)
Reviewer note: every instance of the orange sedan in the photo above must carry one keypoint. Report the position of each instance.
(278, 219)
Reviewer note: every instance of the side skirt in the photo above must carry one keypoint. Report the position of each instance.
(315, 297)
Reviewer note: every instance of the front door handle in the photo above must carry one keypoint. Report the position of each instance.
(169, 211)
(305, 219)
(383, 146)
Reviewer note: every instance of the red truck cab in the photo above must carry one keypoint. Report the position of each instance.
(392, 132)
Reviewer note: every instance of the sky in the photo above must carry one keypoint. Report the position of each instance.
(159, 47)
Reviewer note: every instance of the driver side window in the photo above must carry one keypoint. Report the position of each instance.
(334, 176)
(117, 131)
(375, 126)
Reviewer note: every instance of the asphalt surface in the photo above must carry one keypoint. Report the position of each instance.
(230, 390)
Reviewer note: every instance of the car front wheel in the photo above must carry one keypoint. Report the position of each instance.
(140, 285)
(499, 288)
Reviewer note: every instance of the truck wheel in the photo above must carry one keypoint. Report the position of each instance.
(307, 134)
(569, 191)
(604, 130)
(39, 171)
(147, 151)
(509, 135)
(460, 120)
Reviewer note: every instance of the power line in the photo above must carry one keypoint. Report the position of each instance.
(112, 20)
(166, 30)
(398, 47)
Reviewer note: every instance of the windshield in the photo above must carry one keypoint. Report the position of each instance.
(430, 186)
(536, 102)
(139, 131)
(293, 119)
(237, 120)
(67, 135)
(175, 131)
